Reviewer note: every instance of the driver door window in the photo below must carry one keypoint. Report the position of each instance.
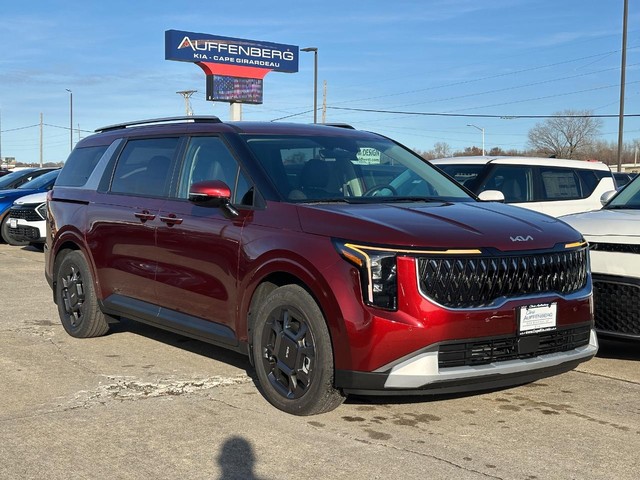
(208, 158)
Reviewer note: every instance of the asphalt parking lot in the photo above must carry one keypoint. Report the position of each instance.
(145, 404)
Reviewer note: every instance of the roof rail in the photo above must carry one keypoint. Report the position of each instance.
(192, 118)
(340, 125)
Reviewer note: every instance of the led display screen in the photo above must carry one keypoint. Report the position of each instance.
(234, 89)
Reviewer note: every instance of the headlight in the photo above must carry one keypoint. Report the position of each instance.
(42, 210)
(378, 273)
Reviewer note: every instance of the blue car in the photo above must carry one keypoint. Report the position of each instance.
(11, 180)
(43, 183)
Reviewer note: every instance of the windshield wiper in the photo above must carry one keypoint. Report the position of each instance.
(410, 199)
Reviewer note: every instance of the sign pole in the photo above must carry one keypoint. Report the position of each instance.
(235, 111)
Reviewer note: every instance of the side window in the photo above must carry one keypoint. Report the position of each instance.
(590, 180)
(560, 184)
(516, 183)
(208, 158)
(145, 167)
(79, 166)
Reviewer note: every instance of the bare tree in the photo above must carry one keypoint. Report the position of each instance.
(567, 135)
(441, 150)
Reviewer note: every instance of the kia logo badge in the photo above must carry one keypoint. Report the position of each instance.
(520, 238)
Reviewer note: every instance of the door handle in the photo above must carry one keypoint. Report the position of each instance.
(171, 220)
(144, 215)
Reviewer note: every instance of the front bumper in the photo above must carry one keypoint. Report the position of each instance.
(422, 372)
(617, 306)
(24, 231)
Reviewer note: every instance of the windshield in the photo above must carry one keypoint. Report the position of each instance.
(41, 181)
(629, 196)
(354, 169)
(9, 178)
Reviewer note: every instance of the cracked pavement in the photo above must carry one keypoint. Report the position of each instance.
(141, 403)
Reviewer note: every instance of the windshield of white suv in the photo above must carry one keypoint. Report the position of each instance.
(352, 169)
(629, 196)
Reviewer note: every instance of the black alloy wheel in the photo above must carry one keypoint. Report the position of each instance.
(75, 295)
(293, 353)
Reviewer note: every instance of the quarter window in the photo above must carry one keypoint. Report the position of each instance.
(79, 166)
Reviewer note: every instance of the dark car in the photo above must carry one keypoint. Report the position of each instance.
(20, 177)
(41, 183)
(277, 241)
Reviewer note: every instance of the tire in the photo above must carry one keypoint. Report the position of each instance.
(76, 298)
(5, 233)
(292, 353)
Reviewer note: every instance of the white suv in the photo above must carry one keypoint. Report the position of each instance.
(26, 220)
(613, 234)
(548, 185)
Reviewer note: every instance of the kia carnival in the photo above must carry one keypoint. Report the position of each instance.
(338, 260)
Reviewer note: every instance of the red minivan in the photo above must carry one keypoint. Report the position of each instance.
(338, 260)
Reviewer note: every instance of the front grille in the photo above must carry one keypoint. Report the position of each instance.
(485, 351)
(615, 247)
(617, 307)
(24, 233)
(28, 214)
(467, 282)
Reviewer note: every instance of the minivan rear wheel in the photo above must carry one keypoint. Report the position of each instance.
(76, 298)
(292, 353)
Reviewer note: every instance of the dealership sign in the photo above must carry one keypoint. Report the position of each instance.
(205, 48)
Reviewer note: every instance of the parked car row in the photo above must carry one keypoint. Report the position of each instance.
(575, 191)
(23, 205)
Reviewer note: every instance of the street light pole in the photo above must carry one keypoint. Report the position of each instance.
(482, 130)
(70, 119)
(315, 80)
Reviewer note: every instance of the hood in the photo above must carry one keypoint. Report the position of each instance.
(611, 224)
(35, 198)
(19, 192)
(438, 225)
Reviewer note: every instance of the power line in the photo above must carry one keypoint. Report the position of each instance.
(479, 115)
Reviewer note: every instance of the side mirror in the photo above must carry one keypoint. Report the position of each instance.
(491, 196)
(607, 196)
(214, 194)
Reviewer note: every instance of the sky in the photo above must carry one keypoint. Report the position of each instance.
(390, 67)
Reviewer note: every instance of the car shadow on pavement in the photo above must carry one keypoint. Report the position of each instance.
(619, 349)
(204, 349)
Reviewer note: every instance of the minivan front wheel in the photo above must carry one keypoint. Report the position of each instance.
(76, 298)
(292, 353)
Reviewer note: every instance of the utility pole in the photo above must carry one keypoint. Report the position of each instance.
(70, 119)
(187, 103)
(0, 137)
(622, 82)
(324, 102)
(41, 140)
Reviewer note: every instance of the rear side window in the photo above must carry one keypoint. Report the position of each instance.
(79, 166)
(145, 167)
(560, 184)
